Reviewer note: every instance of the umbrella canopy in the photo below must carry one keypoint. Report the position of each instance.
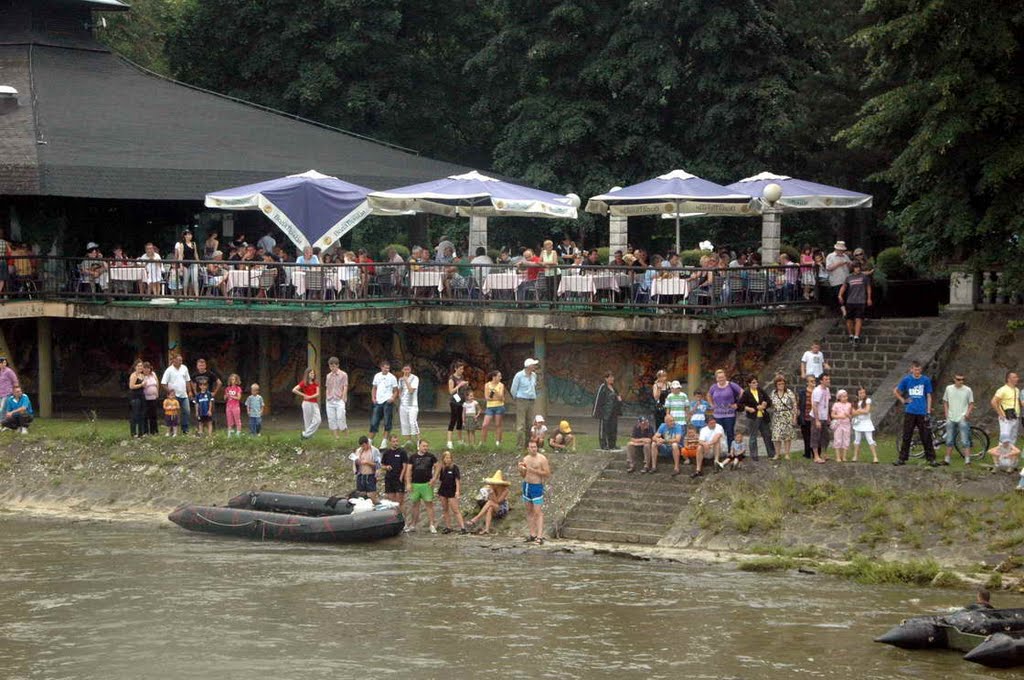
(312, 209)
(678, 193)
(675, 192)
(477, 195)
(800, 194)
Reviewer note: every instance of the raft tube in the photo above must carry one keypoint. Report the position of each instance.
(295, 504)
(998, 651)
(349, 528)
(929, 632)
(920, 632)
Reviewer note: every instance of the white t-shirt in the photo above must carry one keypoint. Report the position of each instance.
(707, 433)
(837, 276)
(862, 422)
(815, 363)
(408, 391)
(177, 379)
(386, 384)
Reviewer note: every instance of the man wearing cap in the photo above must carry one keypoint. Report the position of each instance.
(8, 379)
(837, 264)
(563, 439)
(524, 391)
(93, 269)
(677, 402)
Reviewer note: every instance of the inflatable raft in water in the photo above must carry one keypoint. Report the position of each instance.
(991, 637)
(291, 517)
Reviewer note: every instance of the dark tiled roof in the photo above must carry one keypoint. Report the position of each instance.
(110, 130)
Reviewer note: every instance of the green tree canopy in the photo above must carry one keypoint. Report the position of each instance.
(948, 114)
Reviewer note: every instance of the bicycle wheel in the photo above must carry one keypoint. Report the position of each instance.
(917, 446)
(979, 442)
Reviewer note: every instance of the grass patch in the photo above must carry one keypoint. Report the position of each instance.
(876, 572)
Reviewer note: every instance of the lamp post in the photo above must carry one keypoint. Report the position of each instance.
(771, 224)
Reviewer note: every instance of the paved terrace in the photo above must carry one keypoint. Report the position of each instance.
(680, 301)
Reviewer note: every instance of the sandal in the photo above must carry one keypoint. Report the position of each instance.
(539, 540)
(644, 470)
(483, 532)
(631, 468)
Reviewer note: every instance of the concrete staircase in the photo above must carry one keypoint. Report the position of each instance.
(883, 349)
(620, 507)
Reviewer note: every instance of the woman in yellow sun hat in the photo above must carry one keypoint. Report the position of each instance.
(496, 505)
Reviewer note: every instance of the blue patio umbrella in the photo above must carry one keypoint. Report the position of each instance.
(801, 194)
(476, 195)
(312, 209)
(677, 192)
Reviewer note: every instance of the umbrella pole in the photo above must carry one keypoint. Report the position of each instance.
(677, 228)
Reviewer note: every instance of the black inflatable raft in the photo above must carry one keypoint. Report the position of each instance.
(345, 528)
(295, 504)
(991, 637)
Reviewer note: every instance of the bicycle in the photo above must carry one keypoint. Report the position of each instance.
(979, 440)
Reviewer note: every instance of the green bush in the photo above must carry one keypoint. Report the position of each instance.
(399, 248)
(792, 251)
(892, 265)
(691, 258)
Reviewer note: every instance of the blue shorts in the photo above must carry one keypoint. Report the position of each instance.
(664, 450)
(963, 428)
(366, 483)
(533, 493)
(494, 411)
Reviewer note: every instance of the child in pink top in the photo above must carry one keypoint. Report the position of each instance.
(807, 271)
(842, 425)
(233, 406)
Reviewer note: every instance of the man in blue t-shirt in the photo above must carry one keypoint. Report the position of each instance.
(16, 410)
(915, 393)
(667, 441)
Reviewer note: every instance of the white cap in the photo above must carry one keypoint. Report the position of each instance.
(676, 385)
(90, 245)
(539, 419)
(530, 362)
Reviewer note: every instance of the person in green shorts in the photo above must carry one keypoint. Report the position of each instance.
(419, 485)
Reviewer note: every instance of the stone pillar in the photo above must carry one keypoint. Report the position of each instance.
(44, 349)
(771, 234)
(264, 367)
(694, 342)
(313, 355)
(963, 290)
(173, 340)
(618, 234)
(540, 353)
(477, 235)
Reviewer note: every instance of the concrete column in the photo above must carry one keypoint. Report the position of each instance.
(173, 340)
(264, 367)
(44, 345)
(618, 234)
(771, 234)
(314, 355)
(963, 290)
(477, 235)
(540, 353)
(694, 350)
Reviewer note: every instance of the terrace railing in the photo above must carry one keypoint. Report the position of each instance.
(601, 288)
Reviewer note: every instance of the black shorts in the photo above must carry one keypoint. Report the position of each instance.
(366, 483)
(855, 311)
(206, 419)
(394, 485)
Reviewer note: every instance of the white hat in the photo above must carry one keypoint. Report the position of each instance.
(530, 362)
(676, 385)
(539, 419)
(90, 245)
(840, 245)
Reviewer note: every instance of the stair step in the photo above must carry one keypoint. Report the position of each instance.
(610, 536)
(605, 525)
(665, 493)
(638, 508)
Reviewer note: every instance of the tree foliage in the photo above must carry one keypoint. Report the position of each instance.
(391, 69)
(949, 114)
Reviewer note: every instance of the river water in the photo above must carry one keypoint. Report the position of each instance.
(113, 600)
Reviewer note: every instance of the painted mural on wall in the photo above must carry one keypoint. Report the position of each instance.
(91, 358)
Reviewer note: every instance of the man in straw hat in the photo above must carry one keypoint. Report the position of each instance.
(837, 264)
(535, 471)
(496, 504)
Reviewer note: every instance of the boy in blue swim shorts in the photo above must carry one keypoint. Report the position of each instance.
(535, 471)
